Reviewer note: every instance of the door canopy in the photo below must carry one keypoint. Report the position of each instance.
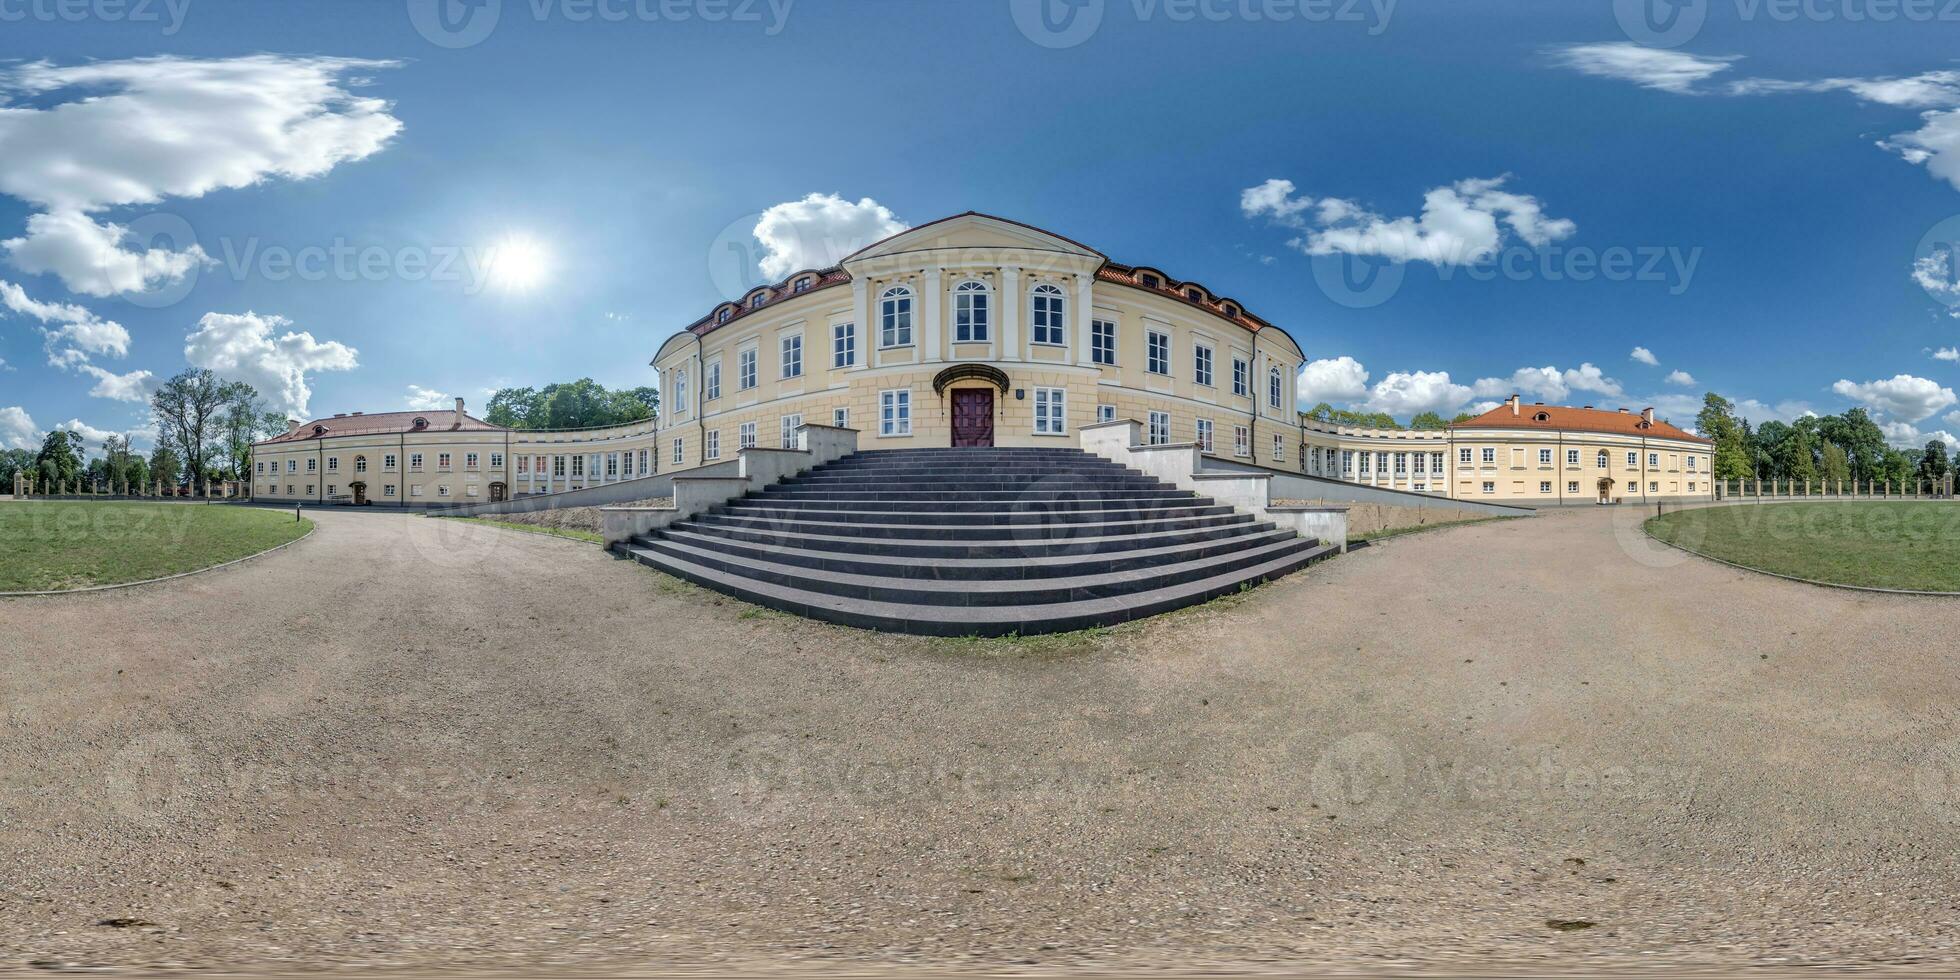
(969, 372)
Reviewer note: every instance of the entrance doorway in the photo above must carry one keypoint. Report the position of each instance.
(1605, 489)
(496, 493)
(360, 493)
(973, 417)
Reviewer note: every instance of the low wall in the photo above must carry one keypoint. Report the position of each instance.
(625, 491)
(1299, 486)
(1182, 466)
(695, 491)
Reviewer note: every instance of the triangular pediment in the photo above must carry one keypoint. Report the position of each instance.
(973, 230)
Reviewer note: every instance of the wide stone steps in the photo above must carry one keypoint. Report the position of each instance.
(974, 542)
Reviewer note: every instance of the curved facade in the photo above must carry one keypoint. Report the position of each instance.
(978, 331)
(419, 459)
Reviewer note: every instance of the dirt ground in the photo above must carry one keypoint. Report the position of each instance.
(411, 744)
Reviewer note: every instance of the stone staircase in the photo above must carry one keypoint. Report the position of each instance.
(974, 542)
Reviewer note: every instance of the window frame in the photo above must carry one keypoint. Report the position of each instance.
(894, 413)
(973, 312)
(1048, 327)
(897, 310)
(1051, 411)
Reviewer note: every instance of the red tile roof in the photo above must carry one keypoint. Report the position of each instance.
(383, 423)
(1576, 420)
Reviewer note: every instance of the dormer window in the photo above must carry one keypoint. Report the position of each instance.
(420, 423)
(756, 301)
(1194, 296)
(319, 430)
(1542, 417)
(1151, 281)
(802, 284)
(723, 316)
(1230, 310)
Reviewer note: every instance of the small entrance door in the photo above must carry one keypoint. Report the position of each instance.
(973, 417)
(496, 493)
(360, 493)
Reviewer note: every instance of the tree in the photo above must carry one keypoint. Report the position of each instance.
(245, 419)
(1865, 443)
(138, 473)
(572, 405)
(1717, 421)
(1932, 464)
(60, 459)
(1898, 467)
(116, 458)
(14, 461)
(1794, 461)
(189, 409)
(165, 467)
(1462, 417)
(1428, 420)
(1836, 466)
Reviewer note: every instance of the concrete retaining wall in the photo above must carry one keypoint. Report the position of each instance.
(1299, 486)
(1182, 466)
(695, 491)
(625, 491)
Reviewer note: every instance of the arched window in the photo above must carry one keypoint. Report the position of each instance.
(1542, 417)
(420, 423)
(1603, 458)
(895, 317)
(360, 464)
(1274, 388)
(972, 320)
(1050, 315)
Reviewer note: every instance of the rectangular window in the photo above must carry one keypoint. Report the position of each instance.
(714, 444)
(680, 390)
(840, 417)
(1241, 377)
(1102, 341)
(388, 490)
(1490, 487)
(1158, 350)
(745, 436)
(558, 467)
(1463, 456)
(1047, 316)
(496, 461)
(312, 464)
(712, 390)
(333, 490)
(792, 356)
(1572, 457)
(415, 461)
(1050, 411)
(1204, 435)
(1160, 428)
(1633, 460)
(578, 465)
(1654, 460)
(1490, 456)
(843, 345)
(626, 463)
(292, 466)
(612, 466)
(1436, 463)
(333, 464)
(644, 467)
(261, 467)
(1571, 486)
(1347, 461)
(1241, 441)
(1275, 388)
(1653, 488)
(442, 461)
(745, 370)
(1544, 457)
(679, 448)
(469, 461)
(443, 490)
(1544, 486)
(1366, 458)
(1105, 413)
(790, 424)
(1279, 450)
(1201, 365)
(1691, 467)
(1401, 464)
(895, 412)
(309, 489)
(1419, 461)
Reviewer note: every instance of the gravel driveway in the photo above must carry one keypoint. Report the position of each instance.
(409, 743)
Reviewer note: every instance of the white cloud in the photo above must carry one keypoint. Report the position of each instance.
(1405, 393)
(1935, 144)
(90, 434)
(18, 431)
(1903, 395)
(1905, 435)
(1337, 379)
(242, 347)
(132, 387)
(1460, 224)
(1758, 412)
(1947, 354)
(83, 138)
(819, 231)
(427, 399)
(1548, 383)
(1682, 378)
(80, 333)
(1645, 356)
(1669, 71)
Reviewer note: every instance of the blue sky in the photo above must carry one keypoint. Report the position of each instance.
(1759, 179)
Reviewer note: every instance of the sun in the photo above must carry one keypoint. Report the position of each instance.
(519, 264)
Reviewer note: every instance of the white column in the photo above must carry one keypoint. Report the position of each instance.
(932, 295)
(867, 331)
(1085, 316)
(1010, 313)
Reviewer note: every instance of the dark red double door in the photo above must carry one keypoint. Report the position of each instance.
(973, 417)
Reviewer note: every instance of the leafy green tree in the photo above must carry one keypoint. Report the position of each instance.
(512, 408)
(60, 459)
(138, 473)
(165, 467)
(572, 405)
(1794, 459)
(14, 461)
(1836, 466)
(1899, 467)
(190, 410)
(1428, 420)
(1462, 417)
(1717, 421)
(1932, 463)
(1865, 443)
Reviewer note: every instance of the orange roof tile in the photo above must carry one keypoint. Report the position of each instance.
(1558, 417)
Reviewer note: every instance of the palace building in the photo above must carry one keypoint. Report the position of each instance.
(978, 331)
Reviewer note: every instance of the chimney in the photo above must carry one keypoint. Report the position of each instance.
(1514, 404)
(1648, 415)
(1623, 411)
(1588, 408)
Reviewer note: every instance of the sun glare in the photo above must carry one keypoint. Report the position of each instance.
(519, 264)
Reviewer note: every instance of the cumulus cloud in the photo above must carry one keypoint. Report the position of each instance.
(84, 138)
(1336, 379)
(132, 387)
(1947, 354)
(427, 399)
(1905, 435)
(1903, 395)
(1464, 223)
(18, 431)
(1549, 383)
(90, 434)
(1645, 356)
(1682, 378)
(1669, 71)
(77, 333)
(246, 347)
(819, 231)
(1405, 393)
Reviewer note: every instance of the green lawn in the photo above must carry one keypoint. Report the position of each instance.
(70, 545)
(1877, 544)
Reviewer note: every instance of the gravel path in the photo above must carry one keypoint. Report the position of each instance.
(409, 743)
